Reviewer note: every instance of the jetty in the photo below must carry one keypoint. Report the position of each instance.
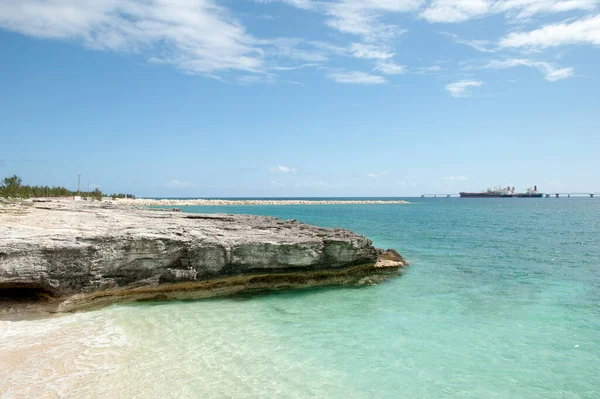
(240, 202)
(547, 195)
(569, 195)
(439, 195)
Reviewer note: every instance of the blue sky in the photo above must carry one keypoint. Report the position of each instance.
(300, 97)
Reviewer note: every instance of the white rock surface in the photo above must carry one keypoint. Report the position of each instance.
(75, 251)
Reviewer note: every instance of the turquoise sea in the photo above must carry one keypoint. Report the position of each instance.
(502, 300)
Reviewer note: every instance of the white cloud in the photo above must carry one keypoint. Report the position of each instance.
(454, 11)
(462, 87)
(360, 50)
(247, 80)
(389, 68)
(364, 17)
(455, 178)
(428, 69)
(315, 53)
(355, 77)
(524, 9)
(295, 49)
(180, 184)
(283, 169)
(375, 175)
(197, 36)
(550, 71)
(304, 4)
(359, 17)
(484, 46)
(276, 184)
(292, 68)
(581, 31)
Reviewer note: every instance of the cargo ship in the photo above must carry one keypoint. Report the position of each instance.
(506, 192)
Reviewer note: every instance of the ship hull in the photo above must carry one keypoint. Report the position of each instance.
(497, 195)
(485, 195)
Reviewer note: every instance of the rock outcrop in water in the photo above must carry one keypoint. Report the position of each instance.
(62, 256)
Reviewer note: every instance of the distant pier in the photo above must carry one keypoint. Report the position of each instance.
(548, 195)
(439, 195)
(569, 195)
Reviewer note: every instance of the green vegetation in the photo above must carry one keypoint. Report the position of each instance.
(115, 196)
(13, 187)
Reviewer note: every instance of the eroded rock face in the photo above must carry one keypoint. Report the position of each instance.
(76, 253)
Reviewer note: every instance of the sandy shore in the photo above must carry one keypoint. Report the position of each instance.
(220, 202)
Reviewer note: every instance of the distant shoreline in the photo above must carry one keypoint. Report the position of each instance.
(229, 202)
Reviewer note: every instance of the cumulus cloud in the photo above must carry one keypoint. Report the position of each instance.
(355, 77)
(550, 71)
(462, 88)
(282, 169)
(581, 31)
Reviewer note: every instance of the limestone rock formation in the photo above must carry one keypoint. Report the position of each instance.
(72, 255)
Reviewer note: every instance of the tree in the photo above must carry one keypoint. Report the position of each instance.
(97, 194)
(12, 185)
(13, 182)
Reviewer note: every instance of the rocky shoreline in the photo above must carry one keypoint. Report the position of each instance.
(241, 202)
(62, 256)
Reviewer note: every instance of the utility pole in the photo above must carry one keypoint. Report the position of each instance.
(78, 184)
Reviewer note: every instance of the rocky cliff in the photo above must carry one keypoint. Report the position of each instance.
(62, 255)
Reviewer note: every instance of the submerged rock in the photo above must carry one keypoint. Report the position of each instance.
(63, 256)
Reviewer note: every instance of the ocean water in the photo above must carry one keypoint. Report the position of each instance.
(502, 300)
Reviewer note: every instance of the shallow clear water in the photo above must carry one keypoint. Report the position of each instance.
(502, 300)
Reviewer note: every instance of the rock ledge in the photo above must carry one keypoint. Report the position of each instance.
(65, 255)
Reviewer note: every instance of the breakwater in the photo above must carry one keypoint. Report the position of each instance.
(226, 202)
